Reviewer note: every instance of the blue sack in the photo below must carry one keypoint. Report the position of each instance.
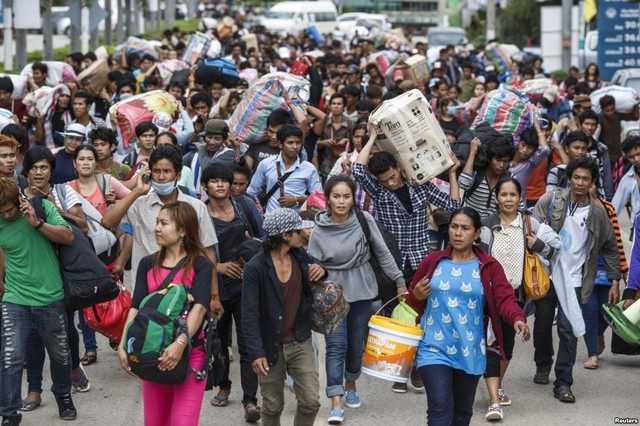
(218, 70)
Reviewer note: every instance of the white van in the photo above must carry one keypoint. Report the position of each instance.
(294, 16)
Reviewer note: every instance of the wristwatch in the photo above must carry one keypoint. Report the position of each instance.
(40, 224)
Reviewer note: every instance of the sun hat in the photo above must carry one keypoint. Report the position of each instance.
(76, 130)
(282, 220)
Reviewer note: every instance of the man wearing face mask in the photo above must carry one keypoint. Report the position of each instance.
(214, 150)
(141, 207)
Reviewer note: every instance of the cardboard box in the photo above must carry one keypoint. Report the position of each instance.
(417, 70)
(408, 129)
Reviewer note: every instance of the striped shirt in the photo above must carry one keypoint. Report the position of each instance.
(409, 229)
(613, 218)
(482, 199)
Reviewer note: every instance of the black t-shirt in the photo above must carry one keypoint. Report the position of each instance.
(230, 236)
(405, 198)
(200, 287)
(452, 125)
(261, 151)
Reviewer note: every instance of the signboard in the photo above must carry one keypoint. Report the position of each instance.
(618, 36)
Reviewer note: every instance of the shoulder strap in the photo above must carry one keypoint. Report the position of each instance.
(36, 202)
(104, 182)
(240, 204)
(172, 274)
(477, 180)
(551, 207)
(279, 183)
(61, 191)
(195, 168)
(365, 226)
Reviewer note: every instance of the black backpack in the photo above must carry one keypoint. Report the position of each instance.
(387, 288)
(86, 279)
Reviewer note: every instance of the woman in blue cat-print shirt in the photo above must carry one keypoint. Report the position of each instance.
(454, 288)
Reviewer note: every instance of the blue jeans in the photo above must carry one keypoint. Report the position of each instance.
(345, 347)
(35, 354)
(88, 335)
(594, 322)
(567, 348)
(17, 321)
(450, 395)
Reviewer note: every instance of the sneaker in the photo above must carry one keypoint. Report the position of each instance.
(494, 412)
(336, 417)
(66, 409)
(601, 344)
(591, 364)
(504, 399)
(352, 399)
(416, 380)
(11, 421)
(399, 387)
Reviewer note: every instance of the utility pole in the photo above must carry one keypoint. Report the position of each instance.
(108, 24)
(8, 36)
(127, 16)
(566, 34)
(47, 31)
(491, 19)
(442, 10)
(170, 13)
(75, 15)
(120, 25)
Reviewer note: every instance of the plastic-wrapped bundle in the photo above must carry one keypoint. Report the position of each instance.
(626, 98)
(57, 73)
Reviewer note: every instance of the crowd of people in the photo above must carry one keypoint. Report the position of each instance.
(185, 199)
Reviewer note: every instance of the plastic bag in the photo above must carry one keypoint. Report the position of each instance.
(404, 313)
(109, 318)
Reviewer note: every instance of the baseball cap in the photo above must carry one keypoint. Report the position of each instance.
(437, 65)
(216, 126)
(75, 129)
(283, 220)
(352, 69)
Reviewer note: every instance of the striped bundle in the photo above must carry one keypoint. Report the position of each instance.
(507, 111)
(498, 57)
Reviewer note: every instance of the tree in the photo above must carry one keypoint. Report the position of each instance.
(519, 22)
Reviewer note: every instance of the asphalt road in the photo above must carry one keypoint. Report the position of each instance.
(601, 395)
(34, 42)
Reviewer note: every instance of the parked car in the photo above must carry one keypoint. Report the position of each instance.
(347, 21)
(627, 77)
(440, 37)
(588, 52)
(293, 16)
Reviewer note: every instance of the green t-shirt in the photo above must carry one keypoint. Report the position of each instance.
(32, 271)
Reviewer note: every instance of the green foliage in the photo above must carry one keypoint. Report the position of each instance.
(477, 31)
(519, 21)
(186, 27)
(559, 75)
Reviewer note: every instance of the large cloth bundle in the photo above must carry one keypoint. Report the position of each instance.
(39, 100)
(626, 98)
(148, 106)
(295, 85)
(507, 111)
(407, 128)
(197, 48)
(499, 57)
(57, 73)
(537, 87)
(95, 78)
(140, 46)
(167, 67)
(19, 85)
(249, 120)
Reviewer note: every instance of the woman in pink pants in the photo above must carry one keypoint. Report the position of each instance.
(177, 235)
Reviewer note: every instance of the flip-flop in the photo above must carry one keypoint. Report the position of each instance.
(76, 386)
(30, 403)
(222, 401)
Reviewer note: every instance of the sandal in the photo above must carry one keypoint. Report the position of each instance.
(82, 385)
(30, 404)
(564, 395)
(591, 363)
(251, 412)
(220, 400)
(89, 358)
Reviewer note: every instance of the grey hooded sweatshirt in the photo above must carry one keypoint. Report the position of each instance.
(343, 250)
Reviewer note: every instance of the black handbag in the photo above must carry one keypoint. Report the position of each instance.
(215, 365)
